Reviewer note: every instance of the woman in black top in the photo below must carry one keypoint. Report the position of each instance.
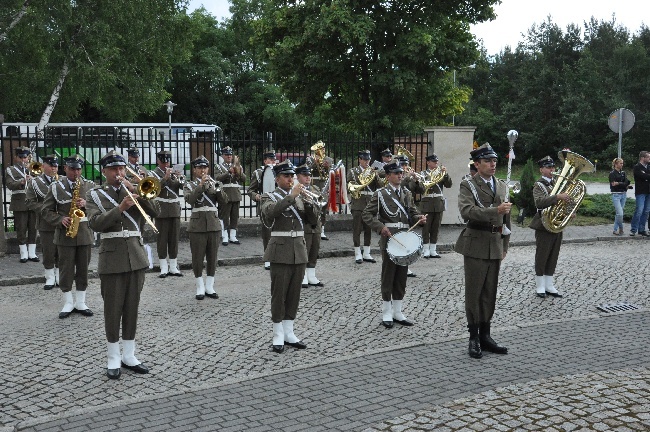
(618, 185)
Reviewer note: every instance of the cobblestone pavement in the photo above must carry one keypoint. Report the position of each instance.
(211, 366)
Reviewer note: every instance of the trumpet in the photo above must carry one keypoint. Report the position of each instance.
(312, 197)
(35, 168)
(137, 204)
(209, 182)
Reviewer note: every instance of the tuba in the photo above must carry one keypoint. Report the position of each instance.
(556, 217)
(365, 178)
(316, 162)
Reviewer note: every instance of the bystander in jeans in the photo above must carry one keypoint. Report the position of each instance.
(618, 185)
(641, 194)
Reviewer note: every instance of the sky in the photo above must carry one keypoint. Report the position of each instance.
(515, 17)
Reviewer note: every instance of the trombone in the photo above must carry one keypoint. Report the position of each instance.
(148, 187)
(137, 204)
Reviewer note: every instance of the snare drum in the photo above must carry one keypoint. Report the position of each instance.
(404, 248)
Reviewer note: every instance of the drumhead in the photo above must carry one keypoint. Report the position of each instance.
(404, 248)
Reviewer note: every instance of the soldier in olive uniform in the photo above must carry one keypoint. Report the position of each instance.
(547, 243)
(35, 194)
(73, 251)
(389, 211)
(484, 244)
(122, 259)
(233, 178)
(262, 181)
(358, 205)
(312, 232)
(168, 222)
(320, 175)
(287, 215)
(16, 180)
(433, 205)
(205, 196)
(133, 155)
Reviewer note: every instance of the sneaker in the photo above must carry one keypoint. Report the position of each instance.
(620, 231)
(616, 233)
(632, 234)
(643, 233)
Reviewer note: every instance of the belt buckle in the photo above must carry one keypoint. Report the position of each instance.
(496, 229)
(293, 233)
(125, 233)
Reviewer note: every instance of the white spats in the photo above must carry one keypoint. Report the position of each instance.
(397, 311)
(164, 267)
(68, 302)
(289, 337)
(128, 354)
(278, 334)
(200, 286)
(209, 285)
(80, 300)
(387, 312)
(114, 360)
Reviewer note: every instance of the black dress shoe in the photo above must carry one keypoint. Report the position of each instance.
(35, 259)
(324, 238)
(488, 344)
(556, 294)
(359, 261)
(372, 260)
(387, 324)
(267, 267)
(298, 345)
(179, 274)
(541, 295)
(436, 256)
(411, 275)
(405, 323)
(113, 373)
(304, 285)
(139, 368)
(64, 314)
(23, 260)
(318, 284)
(199, 297)
(278, 349)
(163, 275)
(427, 257)
(235, 242)
(643, 233)
(213, 295)
(48, 287)
(224, 243)
(84, 312)
(475, 348)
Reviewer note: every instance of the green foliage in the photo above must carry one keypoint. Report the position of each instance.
(524, 199)
(601, 205)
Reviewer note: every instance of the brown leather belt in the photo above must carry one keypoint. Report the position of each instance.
(485, 227)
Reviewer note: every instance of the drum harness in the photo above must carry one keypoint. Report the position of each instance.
(381, 202)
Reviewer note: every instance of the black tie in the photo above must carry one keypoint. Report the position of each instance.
(397, 193)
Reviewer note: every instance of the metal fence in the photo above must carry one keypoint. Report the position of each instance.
(92, 142)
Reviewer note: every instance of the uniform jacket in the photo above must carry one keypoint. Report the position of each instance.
(35, 194)
(118, 254)
(366, 193)
(15, 174)
(135, 167)
(202, 197)
(434, 204)
(310, 228)
(543, 199)
(641, 179)
(256, 184)
(222, 174)
(57, 206)
(280, 212)
(170, 206)
(482, 210)
(383, 208)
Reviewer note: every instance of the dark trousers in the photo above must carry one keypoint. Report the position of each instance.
(73, 266)
(121, 295)
(25, 226)
(286, 280)
(393, 278)
(357, 226)
(312, 240)
(481, 281)
(230, 215)
(50, 254)
(169, 231)
(547, 252)
(431, 228)
(204, 245)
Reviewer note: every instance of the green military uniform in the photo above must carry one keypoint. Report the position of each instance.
(121, 265)
(35, 194)
(433, 204)
(24, 219)
(232, 184)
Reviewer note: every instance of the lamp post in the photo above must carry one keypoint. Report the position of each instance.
(170, 108)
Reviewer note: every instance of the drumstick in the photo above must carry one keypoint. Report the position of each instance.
(398, 242)
(414, 225)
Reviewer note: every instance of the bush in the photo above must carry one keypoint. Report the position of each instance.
(601, 206)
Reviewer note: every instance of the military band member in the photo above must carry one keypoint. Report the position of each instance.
(433, 205)
(547, 243)
(263, 181)
(233, 178)
(320, 176)
(389, 211)
(122, 259)
(205, 196)
(386, 156)
(312, 232)
(35, 194)
(358, 205)
(484, 244)
(73, 250)
(133, 155)
(287, 215)
(168, 222)
(410, 181)
(16, 179)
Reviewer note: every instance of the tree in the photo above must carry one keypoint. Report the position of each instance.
(371, 65)
(114, 56)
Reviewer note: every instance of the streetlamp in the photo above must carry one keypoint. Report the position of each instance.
(170, 108)
(453, 117)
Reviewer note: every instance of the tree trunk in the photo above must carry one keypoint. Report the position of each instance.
(17, 18)
(54, 98)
